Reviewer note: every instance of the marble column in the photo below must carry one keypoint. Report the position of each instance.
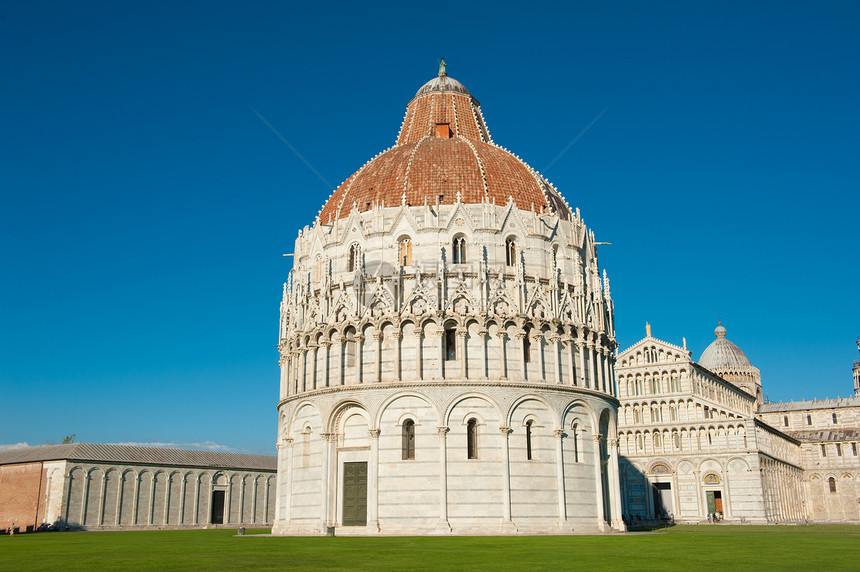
(503, 367)
(443, 479)
(303, 367)
(583, 374)
(326, 378)
(398, 348)
(373, 481)
(485, 364)
(440, 370)
(598, 475)
(521, 338)
(102, 498)
(571, 362)
(286, 511)
(327, 442)
(314, 348)
(377, 335)
(539, 342)
(555, 341)
(461, 352)
(419, 353)
(359, 358)
(182, 488)
(615, 486)
(559, 472)
(506, 478)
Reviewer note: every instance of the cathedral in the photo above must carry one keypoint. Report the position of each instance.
(446, 346)
(697, 439)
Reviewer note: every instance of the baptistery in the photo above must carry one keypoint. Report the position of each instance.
(446, 346)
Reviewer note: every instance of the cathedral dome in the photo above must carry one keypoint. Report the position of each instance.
(444, 154)
(723, 355)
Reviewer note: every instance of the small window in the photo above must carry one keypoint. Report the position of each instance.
(785, 420)
(353, 259)
(443, 130)
(529, 440)
(658, 441)
(318, 267)
(854, 449)
(406, 252)
(459, 250)
(472, 438)
(823, 450)
(809, 419)
(676, 440)
(636, 415)
(832, 483)
(838, 449)
(510, 252)
(408, 447)
(450, 344)
(834, 418)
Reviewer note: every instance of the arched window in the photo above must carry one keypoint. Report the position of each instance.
(636, 415)
(354, 257)
(639, 442)
(472, 438)
(408, 446)
(676, 440)
(658, 441)
(459, 250)
(406, 252)
(832, 483)
(529, 439)
(510, 252)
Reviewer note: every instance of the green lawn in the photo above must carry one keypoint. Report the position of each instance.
(681, 548)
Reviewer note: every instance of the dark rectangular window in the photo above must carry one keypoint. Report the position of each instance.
(785, 421)
(854, 449)
(823, 451)
(809, 419)
(834, 418)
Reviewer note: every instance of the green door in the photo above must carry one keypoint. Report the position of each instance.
(712, 503)
(355, 494)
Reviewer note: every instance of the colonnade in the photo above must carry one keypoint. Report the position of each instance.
(582, 361)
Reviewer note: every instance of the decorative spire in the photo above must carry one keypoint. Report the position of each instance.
(442, 66)
(647, 330)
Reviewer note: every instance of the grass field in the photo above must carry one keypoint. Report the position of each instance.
(684, 548)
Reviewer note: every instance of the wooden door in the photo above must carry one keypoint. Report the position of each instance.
(355, 494)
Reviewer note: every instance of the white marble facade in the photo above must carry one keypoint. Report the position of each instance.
(446, 358)
(516, 336)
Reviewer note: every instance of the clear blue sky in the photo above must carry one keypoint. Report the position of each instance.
(144, 207)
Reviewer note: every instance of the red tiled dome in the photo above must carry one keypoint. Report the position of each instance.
(443, 148)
